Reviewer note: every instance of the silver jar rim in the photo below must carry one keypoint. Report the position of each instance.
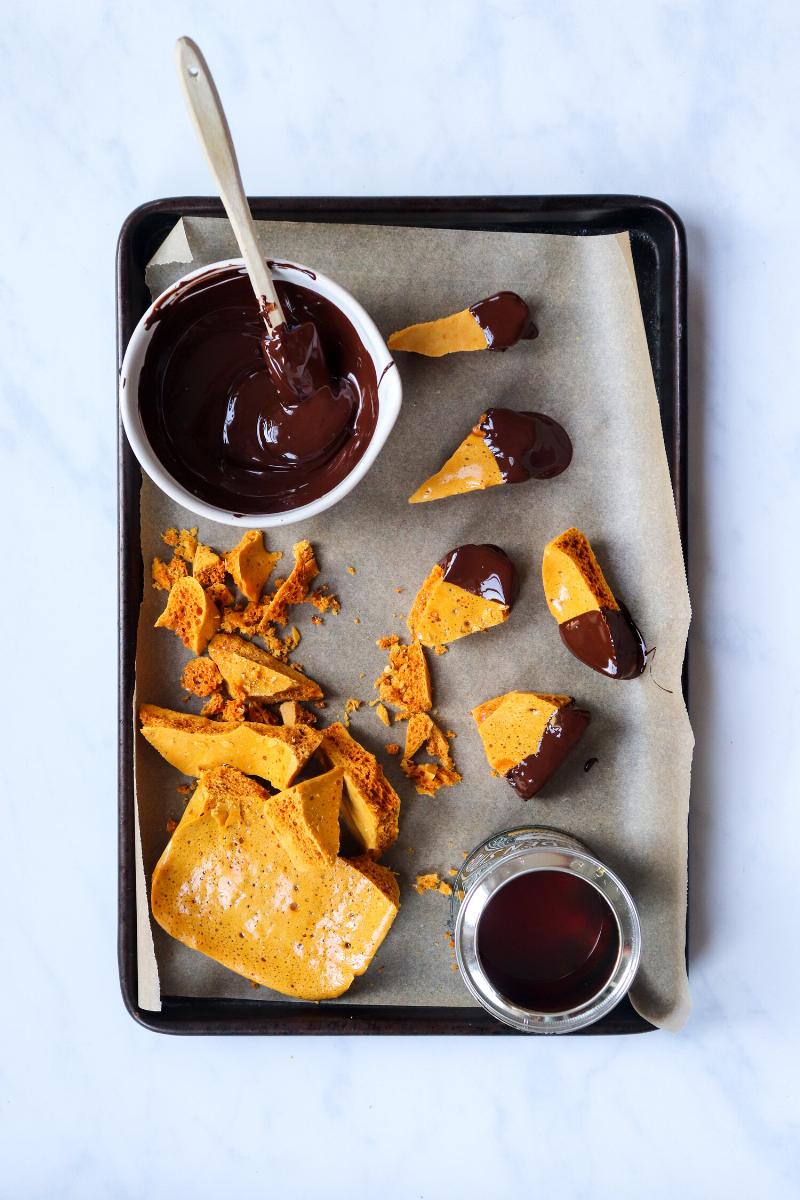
(554, 851)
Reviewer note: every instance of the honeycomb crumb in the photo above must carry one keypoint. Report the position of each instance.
(440, 649)
(405, 681)
(452, 871)
(317, 621)
(428, 777)
(351, 705)
(233, 710)
(220, 594)
(398, 590)
(201, 677)
(293, 713)
(243, 619)
(444, 888)
(393, 748)
(356, 620)
(325, 601)
(351, 570)
(385, 642)
(293, 590)
(427, 883)
(183, 541)
(214, 706)
(166, 573)
(383, 714)
(184, 789)
(207, 566)
(171, 825)
(259, 713)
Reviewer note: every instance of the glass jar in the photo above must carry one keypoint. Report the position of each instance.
(508, 856)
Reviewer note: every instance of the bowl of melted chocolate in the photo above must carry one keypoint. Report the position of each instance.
(241, 427)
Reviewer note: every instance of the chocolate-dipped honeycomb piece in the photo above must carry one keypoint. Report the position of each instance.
(496, 323)
(594, 626)
(470, 589)
(527, 735)
(504, 447)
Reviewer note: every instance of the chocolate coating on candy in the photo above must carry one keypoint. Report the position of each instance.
(505, 320)
(526, 445)
(607, 640)
(484, 570)
(562, 732)
(250, 424)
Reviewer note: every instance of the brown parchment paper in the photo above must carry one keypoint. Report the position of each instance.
(589, 369)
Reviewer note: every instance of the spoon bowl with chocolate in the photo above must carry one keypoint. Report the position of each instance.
(240, 427)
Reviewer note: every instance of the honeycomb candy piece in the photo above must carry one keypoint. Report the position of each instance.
(190, 614)
(208, 567)
(496, 323)
(251, 564)
(306, 819)
(370, 805)
(276, 753)
(470, 468)
(250, 671)
(405, 680)
(226, 887)
(593, 625)
(527, 735)
(472, 588)
(293, 590)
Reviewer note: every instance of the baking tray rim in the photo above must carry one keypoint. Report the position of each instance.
(575, 215)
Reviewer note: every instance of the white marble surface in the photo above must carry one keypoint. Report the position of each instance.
(692, 102)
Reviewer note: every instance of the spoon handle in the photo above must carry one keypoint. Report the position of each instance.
(208, 117)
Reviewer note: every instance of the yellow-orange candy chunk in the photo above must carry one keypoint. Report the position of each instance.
(276, 753)
(250, 671)
(471, 468)
(447, 335)
(251, 564)
(306, 819)
(190, 614)
(370, 805)
(511, 727)
(226, 887)
(443, 612)
(572, 578)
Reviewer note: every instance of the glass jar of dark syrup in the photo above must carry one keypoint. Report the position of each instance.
(547, 938)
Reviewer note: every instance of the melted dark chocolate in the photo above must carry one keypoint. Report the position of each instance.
(563, 731)
(251, 424)
(527, 445)
(505, 319)
(485, 571)
(607, 640)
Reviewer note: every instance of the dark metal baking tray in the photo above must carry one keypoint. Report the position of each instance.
(659, 253)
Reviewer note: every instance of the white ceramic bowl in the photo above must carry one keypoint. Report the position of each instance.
(389, 398)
